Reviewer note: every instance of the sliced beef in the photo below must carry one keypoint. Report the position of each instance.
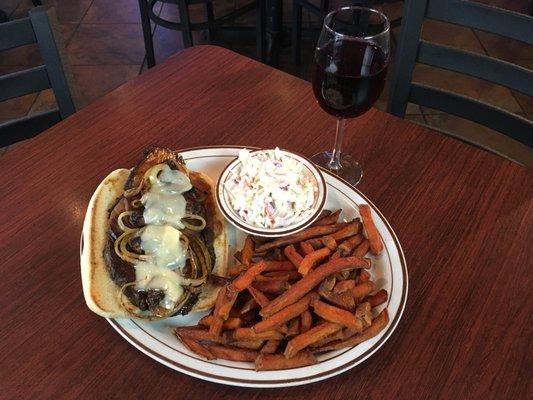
(122, 272)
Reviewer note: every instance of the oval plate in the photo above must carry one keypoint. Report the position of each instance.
(156, 340)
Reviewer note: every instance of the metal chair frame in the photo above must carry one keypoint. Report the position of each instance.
(39, 27)
(411, 49)
(186, 27)
(321, 11)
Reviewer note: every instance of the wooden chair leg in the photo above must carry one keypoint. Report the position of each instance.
(210, 16)
(261, 31)
(296, 32)
(185, 21)
(147, 33)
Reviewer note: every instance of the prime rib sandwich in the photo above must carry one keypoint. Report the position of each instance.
(153, 241)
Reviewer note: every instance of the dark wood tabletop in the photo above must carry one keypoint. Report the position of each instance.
(462, 215)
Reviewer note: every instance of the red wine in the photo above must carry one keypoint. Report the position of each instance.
(348, 77)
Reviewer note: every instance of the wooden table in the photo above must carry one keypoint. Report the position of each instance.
(463, 216)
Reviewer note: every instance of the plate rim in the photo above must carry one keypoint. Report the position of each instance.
(293, 381)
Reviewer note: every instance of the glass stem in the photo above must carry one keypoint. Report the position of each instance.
(335, 162)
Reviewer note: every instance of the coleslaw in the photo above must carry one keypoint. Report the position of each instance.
(271, 189)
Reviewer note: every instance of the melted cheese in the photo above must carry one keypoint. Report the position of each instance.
(149, 276)
(162, 243)
(164, 202)
(164, 207)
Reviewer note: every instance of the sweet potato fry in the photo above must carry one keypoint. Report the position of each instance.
(328, 284)
(362, 249)
(278, 266)
(378, 324)
(294, 327)
(312, 259)
(364, 276)
(353, 228)
(343, 275)
(347, 333)
(323, 241)
(225, 300)
(285, 314)
(248, 344)
(338, 315)
(363, 309)
(230, 323)
(258, 296)
(260, 239)
(364, 314)
(292, 255)
(323, 214)
(315, 242)
(329, 242)
(284, 276)
(306, 248)
(347, 247)
(270, 362)
(363, 289)
(223, 304)
(275, 286)
(233, 353)
(329, 219)
(270, 346)
(247, 251)
(342, 300)
(331, 338)
(275, 255)
(246, 278)
(377, 299)
(290, 275)
(376, 245)
(197, 333)
(283, 329)
(197, 348)
(306, 321)
(344, 286)
(249, 305)
(238, 256)
(215, 329)
(304, 234)
(313, 335)
(312, 279)
(250, 334)
(236, 269)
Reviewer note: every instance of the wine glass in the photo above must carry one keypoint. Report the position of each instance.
(351, 59)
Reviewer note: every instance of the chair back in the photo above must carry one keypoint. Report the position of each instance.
(39, 27)
(412, 49)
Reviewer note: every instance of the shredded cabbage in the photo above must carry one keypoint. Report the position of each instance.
(271, 189)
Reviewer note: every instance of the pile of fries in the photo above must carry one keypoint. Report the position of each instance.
(291, 298)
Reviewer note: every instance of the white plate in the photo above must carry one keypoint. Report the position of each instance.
(156, 340)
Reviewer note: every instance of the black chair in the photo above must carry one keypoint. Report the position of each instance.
(211, 24)
(321, 11)
(3, 14)
(474, 15)
(39, 27)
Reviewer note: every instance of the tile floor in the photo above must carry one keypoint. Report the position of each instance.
(104, 43)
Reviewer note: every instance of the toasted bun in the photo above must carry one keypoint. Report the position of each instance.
(100, 291)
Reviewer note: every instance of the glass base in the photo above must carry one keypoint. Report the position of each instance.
(350, 169)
